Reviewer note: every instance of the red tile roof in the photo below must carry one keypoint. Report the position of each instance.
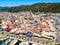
(8, 29)
(23, 27)
(34, 30)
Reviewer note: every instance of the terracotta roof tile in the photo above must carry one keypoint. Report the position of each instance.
(23, 27)
(34, 30)
(10, 24)
(41, 26)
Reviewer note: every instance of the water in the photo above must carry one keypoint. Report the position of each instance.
(3, 42)
(0, 42)
(30, 43)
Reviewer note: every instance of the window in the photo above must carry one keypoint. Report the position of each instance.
(28, 39)
(46, 42)
(38, 41)
(34, 40)
(43, 42)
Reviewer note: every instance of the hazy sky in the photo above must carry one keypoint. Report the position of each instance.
(22, 2)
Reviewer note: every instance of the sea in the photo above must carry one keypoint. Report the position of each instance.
(3, 43)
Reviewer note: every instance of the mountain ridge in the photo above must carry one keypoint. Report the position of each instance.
(40, 7)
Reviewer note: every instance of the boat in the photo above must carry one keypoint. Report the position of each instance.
(8, 41)
(34, 44)
(13, 42)
(24, 43)
(18, 42)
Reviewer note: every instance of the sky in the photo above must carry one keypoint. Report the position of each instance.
(9, 3)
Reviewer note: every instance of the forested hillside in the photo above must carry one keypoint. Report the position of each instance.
(41, 7)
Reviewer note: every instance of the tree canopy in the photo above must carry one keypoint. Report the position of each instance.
(37, 7)
(41, 7)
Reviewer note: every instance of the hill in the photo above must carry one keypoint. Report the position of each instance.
(41, 7)
(4, 9)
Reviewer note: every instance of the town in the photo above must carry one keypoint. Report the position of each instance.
(37, 28)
